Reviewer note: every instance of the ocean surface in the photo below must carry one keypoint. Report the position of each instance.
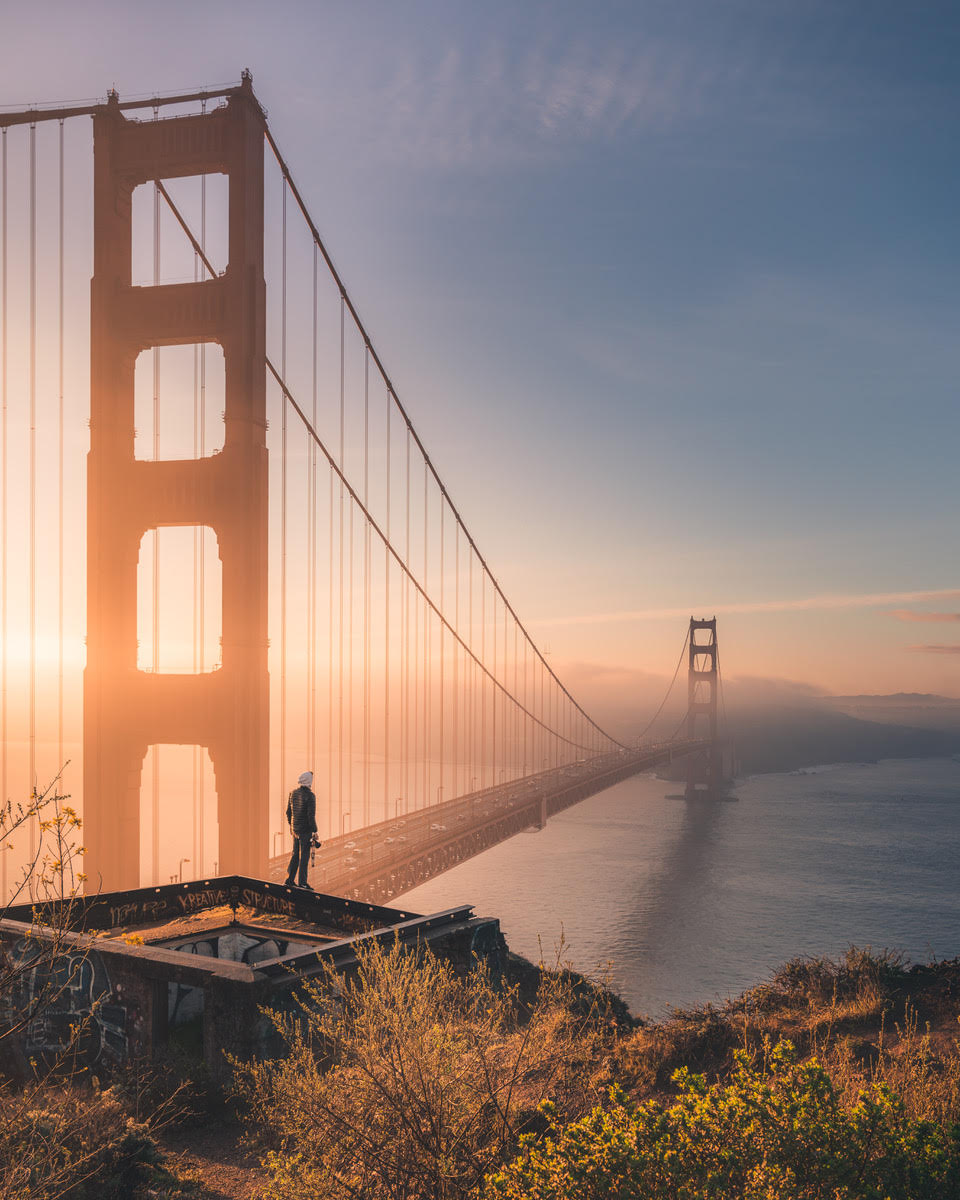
(690, 902)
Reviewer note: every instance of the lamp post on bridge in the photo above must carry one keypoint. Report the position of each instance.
(344, 817)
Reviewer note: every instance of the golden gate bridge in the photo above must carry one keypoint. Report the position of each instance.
(276, 575)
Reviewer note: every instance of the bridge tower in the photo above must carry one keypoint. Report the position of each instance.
(704, 769)
(127, 710)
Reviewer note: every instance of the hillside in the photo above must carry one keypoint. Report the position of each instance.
(788, 738)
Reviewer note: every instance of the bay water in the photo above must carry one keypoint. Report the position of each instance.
(693, 901)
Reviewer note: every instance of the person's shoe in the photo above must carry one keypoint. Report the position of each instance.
(305, 886)
(289, 883)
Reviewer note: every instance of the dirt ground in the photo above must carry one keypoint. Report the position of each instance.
(209, 1155)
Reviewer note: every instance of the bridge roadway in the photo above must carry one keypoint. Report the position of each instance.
(382, 861)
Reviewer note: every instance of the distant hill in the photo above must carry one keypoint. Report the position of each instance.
(788, 738)
(918, 710)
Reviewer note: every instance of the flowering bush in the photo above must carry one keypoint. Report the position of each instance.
(776, 1130)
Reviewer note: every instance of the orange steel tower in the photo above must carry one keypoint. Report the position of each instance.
(704, 769)
(127, 710)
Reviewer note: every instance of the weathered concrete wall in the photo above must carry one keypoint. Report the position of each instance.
(99, 1005)
(125, 999)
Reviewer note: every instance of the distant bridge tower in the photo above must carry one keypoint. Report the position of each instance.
(704, 769)
(127, 710)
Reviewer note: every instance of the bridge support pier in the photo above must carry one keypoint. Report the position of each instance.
(125, 709)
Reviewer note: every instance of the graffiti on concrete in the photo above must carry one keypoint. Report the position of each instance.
(74, 1008)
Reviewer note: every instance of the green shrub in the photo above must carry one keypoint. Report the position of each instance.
(777, 1130)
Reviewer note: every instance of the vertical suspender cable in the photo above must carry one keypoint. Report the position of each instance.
(483, 678)
(3, 495)
(406, 639)
(60, 475)
(366, 589)
(457, 786)
(340, 657)
(350, 670)
(527, 730)
(427, 674)
(541, 714)
(312, 550)
(336, 830)
(196, 755)
(33, 473)
(201, 584)
(555, 724)
(516, 721)
(283, 495)
(493, 723)
(440, 714)
(386, 633)
(504, 724)
(417, 774)
(470, 676)
(155, 657)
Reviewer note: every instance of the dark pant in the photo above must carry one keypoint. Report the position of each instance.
(301, 856)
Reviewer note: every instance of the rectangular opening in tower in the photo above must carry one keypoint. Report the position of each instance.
(179, 398)
(161, 250)
(179, 600)
(179, 826)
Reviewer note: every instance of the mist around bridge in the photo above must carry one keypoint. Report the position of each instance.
(780, 724)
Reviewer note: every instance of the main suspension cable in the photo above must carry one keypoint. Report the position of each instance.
(649, 725)
(346, 487)
(348, 303)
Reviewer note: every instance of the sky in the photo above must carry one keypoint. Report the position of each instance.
(669, 289)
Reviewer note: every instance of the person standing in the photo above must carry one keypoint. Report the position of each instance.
(302, 818)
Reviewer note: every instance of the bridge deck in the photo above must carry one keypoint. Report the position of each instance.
(383, 861)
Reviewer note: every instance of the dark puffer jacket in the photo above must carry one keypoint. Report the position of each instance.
(302, 812)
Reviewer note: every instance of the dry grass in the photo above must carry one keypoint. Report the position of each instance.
(868, 1017)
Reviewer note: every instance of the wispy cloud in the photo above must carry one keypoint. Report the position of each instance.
(798, 604)
(936, 649)
(502, 87)
(482, 102)
(911, 614)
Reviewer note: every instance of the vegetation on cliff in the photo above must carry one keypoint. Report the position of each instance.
(837, 1080)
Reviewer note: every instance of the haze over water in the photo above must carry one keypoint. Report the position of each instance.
(693, 902)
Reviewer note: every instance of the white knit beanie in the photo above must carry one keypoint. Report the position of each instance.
(306, 779)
